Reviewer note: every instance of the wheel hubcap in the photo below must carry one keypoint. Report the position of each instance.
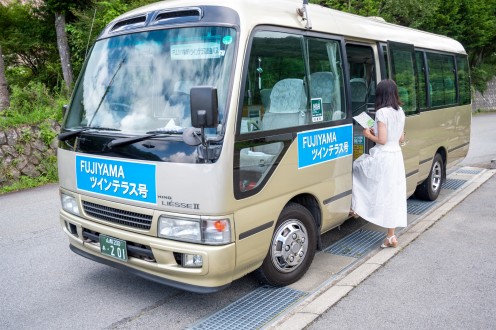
(289, 246)
(436, 176)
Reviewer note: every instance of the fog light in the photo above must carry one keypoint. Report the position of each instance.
(192, 260)
(71, 228)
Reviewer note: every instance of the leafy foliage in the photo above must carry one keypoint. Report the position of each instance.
(471, 22)
(32, 104)
(27, 44)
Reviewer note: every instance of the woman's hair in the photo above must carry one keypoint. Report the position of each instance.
(386, 95)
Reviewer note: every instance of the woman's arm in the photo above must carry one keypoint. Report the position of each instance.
(381, 137)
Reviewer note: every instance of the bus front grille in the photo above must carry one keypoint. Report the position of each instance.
(126, 218)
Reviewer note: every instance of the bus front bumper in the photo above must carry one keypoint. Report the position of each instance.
(215, 273)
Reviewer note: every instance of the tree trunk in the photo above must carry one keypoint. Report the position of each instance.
(63, 47)
(4, 91)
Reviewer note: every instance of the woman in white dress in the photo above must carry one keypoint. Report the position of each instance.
(379, 183)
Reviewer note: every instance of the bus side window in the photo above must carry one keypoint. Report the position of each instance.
(421, 74)
(255, 163)
(325, 80)
(274, 92)
(288, 102)
(282, 88)
(463, 79)
(442, 77)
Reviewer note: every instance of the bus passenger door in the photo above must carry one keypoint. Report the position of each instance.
(402, 69)
(362, 69)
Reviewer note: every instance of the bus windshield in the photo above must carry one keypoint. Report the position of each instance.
(141, 82)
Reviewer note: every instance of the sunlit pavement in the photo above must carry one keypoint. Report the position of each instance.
(340, 266)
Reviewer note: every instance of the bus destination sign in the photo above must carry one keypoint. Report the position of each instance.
(326, 144)
(117, 178)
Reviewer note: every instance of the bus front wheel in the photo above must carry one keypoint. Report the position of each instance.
(431, 187)
(292, 247)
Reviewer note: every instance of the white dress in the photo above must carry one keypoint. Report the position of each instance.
(379, 183)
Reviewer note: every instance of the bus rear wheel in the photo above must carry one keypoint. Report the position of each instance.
(431, 187)
(292, 247)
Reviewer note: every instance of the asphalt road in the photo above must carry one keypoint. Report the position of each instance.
(46, 286)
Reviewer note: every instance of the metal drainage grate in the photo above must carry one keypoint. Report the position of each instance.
(468, 171)
(415, 206)
(357, 244)
(453, 184)
(253, 310)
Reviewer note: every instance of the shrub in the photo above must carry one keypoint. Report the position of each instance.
(32, 105)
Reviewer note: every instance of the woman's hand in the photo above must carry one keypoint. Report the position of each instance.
(381, 136)
(368, 133)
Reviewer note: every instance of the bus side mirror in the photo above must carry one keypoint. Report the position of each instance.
(64, 109)
(204, 107)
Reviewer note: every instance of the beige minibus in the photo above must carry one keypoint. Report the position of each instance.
(209, 139)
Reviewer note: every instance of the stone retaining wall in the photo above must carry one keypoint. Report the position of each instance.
(486, 101)
(27, 150)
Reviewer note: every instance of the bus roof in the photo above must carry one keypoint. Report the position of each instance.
(283, 13)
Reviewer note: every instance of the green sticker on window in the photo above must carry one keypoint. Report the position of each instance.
(317, 110)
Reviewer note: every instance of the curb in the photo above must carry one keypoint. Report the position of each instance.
(332, 292)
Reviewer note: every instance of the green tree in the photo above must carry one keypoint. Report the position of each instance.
(4, 91)
(359, 7)
(411, 13)
(26, 39)
(60, 9)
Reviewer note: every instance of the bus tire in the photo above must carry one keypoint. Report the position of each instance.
(292, 247)
(431, 187)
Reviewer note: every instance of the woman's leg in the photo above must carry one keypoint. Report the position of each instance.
(390, 240)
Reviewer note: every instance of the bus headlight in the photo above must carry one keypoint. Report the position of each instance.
(206, 231)
(69, 204)
(179, 228)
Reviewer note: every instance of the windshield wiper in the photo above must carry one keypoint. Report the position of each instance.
(68, 135)
(150, 134)
(107, 90)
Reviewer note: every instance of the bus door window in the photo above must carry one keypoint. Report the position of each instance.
(362, 77)
(362, 86)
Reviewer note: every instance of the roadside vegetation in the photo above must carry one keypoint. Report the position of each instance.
(43, 45)
(42, 49)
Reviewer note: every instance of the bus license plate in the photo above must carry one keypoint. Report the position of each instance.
(113, 247)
